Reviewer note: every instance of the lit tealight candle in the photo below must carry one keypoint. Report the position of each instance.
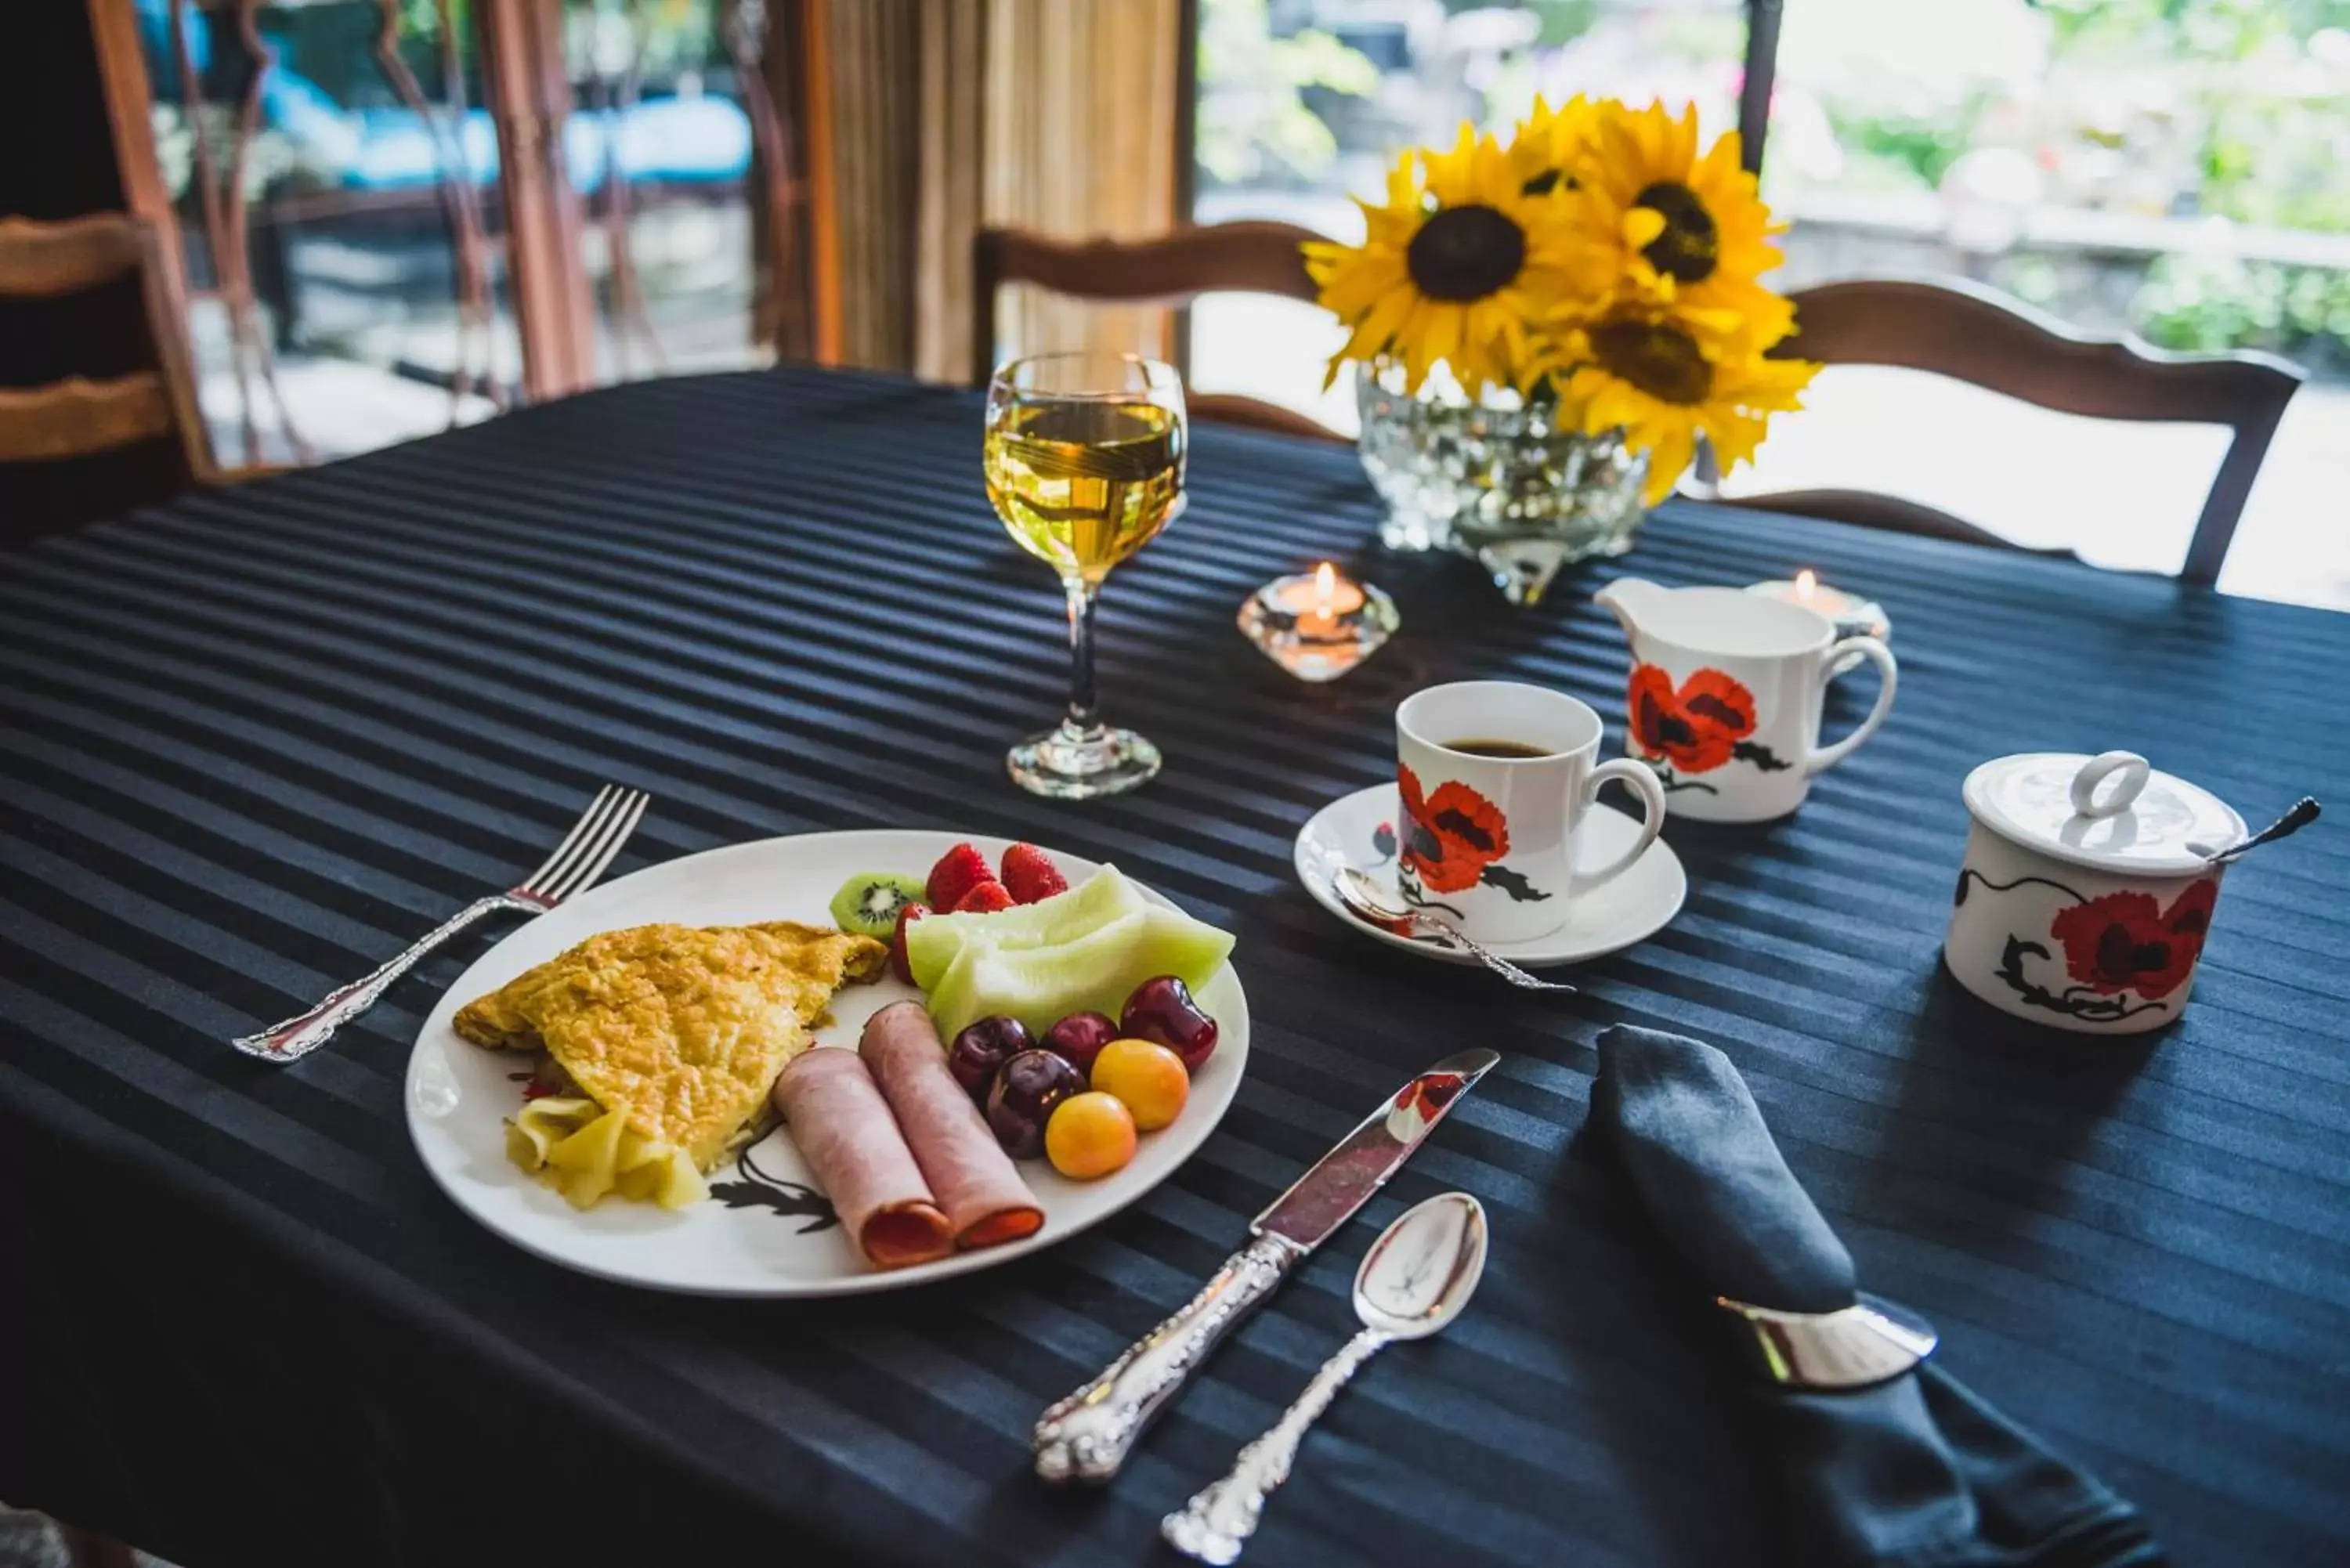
(1852, 616)
(1317, 625)
(1834, 603)
(1319, 602)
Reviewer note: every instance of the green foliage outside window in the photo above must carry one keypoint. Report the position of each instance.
(1260, 125)
(2246, 92)
(1921, 150)
(2208, 304)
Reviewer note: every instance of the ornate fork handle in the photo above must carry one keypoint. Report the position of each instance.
(298, 1036)
(1219, 1518)
(1087, 1436)
(1489, 959)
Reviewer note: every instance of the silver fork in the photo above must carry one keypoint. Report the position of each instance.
(573, 867)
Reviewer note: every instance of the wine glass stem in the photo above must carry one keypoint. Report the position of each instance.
(1083, 718)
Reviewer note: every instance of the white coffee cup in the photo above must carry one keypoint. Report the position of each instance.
(1488, 840)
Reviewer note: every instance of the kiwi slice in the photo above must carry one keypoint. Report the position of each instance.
(868, 902)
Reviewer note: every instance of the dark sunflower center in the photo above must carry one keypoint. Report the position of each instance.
(1465, 253)
(1689, 245)
(1662, 361)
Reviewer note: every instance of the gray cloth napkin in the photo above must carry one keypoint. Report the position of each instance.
(1916, 1472)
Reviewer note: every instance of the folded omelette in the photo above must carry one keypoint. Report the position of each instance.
(669, 1038)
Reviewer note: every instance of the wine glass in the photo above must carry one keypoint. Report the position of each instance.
(1084, 465)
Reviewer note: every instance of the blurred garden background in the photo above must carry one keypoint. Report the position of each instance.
(2179, 169)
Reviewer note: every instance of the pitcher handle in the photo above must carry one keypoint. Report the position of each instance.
(1643, 780)
(1877, 654)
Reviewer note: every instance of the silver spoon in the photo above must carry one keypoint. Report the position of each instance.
(1365, 900)
(2298, 816)
(1413, 1282)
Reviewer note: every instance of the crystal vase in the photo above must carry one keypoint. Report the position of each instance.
(1496, 477)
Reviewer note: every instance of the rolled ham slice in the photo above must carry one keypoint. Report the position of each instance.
(976, 1182)
(850, 1141)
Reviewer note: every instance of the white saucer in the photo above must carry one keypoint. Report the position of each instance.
(1633, 908)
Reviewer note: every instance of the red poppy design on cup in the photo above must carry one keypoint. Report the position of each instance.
(2129, 942)
(1451, 835)
(1697, 728)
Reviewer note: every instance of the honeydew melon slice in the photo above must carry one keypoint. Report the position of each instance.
(932, 942)
(1040, 985)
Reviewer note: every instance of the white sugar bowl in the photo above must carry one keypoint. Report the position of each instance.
(2087, 889)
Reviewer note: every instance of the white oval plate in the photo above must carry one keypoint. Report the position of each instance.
(765, 1229)
(1633, 908)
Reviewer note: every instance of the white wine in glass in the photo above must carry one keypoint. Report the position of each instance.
(1084, 465)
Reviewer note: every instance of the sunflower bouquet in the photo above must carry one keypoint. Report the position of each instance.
(1597, 259)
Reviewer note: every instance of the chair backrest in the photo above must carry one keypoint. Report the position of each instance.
(1979, 336)
(1171, 269)
(77, 416)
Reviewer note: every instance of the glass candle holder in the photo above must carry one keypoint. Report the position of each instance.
(1318, 624)
(1852, 616)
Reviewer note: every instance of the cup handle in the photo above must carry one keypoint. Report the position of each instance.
(1643, 780)
(1877, 654)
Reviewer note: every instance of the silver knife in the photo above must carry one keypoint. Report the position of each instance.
(1087, 1436)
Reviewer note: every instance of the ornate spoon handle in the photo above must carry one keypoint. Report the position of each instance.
(1218, 1519)
(1087, 1436)
(1489, 957)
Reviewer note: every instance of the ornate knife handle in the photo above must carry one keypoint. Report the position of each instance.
(1219, 1518)
(1087, 1436)
(292, 1039)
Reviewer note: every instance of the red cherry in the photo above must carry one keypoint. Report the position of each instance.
(1078, 1039)
(1162, 1010)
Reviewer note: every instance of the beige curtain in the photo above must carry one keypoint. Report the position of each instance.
(870, 51)
(1080, 142)
(1056, 116)
(955, 126)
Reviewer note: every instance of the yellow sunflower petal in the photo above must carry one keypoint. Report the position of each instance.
(1640, 226)
(1667, 460)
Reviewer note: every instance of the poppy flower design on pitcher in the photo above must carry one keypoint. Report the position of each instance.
(1701, 727)
(2115, 946)
(1454, 840)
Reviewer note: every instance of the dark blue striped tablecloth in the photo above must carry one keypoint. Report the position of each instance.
(252, 743)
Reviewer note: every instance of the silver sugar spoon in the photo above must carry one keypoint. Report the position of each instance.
(2297, 815)
(1364, 898)
(1413, 1282)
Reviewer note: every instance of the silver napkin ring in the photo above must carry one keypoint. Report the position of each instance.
(1851, 1347)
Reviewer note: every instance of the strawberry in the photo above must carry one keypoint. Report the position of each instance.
(898, 964)
(986, 898)
(1029, 874)
(958, 870)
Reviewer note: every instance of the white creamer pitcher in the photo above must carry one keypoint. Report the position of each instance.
(1725, 696)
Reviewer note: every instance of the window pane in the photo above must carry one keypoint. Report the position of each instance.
(362, 300)
(2172, 167)
(1304, 103)
(658, 146)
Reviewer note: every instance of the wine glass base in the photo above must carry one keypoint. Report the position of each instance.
(1068, 763)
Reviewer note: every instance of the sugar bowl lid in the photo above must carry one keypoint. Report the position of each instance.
(2110, 812)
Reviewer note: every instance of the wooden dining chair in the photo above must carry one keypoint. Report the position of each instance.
(1171, 269)
(79, 416)
(1979, 336)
